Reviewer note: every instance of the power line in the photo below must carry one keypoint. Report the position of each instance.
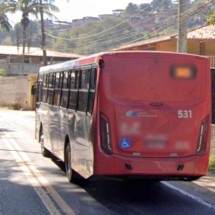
(106, 30)
(170, 20)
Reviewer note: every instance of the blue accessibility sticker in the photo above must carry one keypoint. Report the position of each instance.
(125, 143)
(131, 114)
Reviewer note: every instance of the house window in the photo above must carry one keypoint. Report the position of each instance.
(27, 60)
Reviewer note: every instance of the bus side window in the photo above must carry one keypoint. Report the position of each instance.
(60, 88)
(57, 89)
(44, 88)
(73, 90)
(91, 95)
(65, 89)
(51, 83)
(39, 90)
(83, 90)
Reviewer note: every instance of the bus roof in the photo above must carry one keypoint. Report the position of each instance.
(93, 59)
(71, 64)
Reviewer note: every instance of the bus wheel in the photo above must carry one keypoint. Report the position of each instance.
(45, 152)
(68, 163)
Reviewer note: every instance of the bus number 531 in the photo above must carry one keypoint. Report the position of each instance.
(184, 114)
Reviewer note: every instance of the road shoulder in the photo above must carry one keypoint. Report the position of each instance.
(204, 188)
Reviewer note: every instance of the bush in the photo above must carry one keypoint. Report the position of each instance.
(3, 72)
(15, 105)
(212, 162)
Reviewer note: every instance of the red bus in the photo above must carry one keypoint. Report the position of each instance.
(127, 114)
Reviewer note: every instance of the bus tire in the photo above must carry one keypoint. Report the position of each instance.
(68, 163)
(45, 152)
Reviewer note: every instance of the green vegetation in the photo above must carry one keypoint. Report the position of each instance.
(212, 162)
(211, 18)
(15, 106)
(212, 156)
(135, 23)
(6, 7)
(27, 8)
(3, 72)
(94, 37)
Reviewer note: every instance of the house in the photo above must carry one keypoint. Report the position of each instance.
(16, 87)
(11, 59)
(118, 12)
(200, 41)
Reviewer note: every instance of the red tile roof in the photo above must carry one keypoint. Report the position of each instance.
(205, 32)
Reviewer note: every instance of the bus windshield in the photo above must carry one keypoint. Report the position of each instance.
(149, 80)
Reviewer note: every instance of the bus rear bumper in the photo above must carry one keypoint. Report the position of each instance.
(163, 168)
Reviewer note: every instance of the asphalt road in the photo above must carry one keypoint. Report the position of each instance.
(31, 184)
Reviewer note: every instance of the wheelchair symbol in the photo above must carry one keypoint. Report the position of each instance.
(125, 143)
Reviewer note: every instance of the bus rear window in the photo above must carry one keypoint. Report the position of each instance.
(146, 80)
(183, 71)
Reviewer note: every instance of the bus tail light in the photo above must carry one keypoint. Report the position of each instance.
(105, 135)
(203, 135)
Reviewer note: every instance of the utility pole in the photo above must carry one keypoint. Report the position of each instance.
(182, 26)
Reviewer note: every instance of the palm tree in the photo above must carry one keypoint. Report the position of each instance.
(26, 7)
(45, 7)
(5, 7)
(34, 7)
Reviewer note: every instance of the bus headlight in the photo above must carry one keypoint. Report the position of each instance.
(203, 135)
(105, 135)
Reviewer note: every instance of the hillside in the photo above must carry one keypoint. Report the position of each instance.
(94, 34)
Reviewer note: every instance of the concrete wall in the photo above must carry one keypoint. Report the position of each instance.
(15, 89)
(17, 69)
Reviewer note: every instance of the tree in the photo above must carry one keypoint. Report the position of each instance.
(34, 7)
(4, 22)
(211, 18)
(5, 7)
(145, 8)
(45, 7)
(26, 7)
(158, 5)
(131, 9)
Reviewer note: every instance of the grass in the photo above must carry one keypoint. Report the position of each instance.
(212, 153)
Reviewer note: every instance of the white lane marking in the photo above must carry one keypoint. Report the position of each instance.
(37, 180)
(201, 201)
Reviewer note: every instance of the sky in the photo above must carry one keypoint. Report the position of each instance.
(77, 9)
